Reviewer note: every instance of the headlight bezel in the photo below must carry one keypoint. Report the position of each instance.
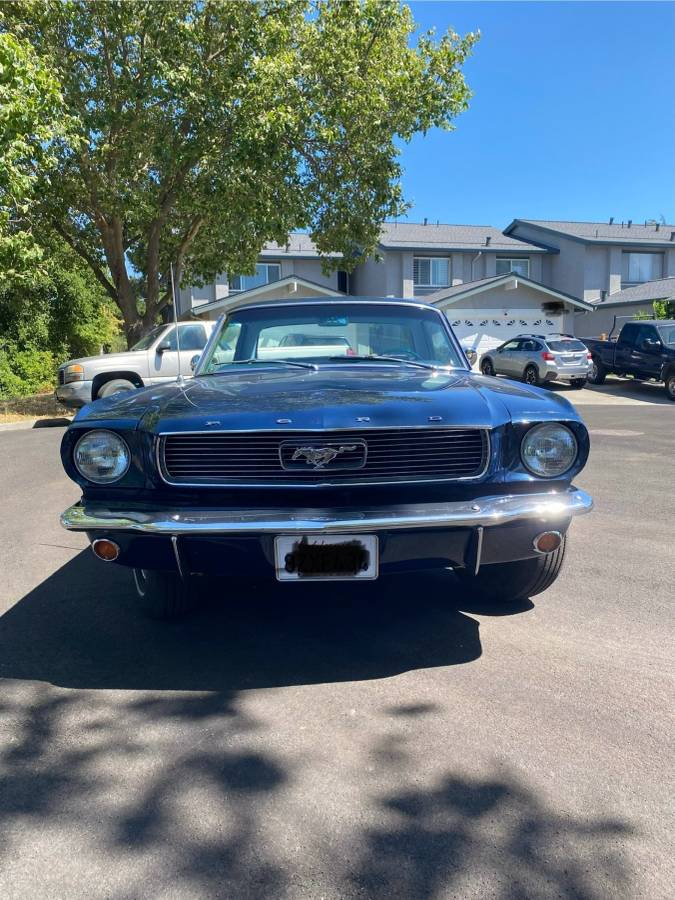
(538, 428)
(73, 373)
(103, 482)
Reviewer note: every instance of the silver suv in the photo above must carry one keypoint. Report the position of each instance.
(537, 358)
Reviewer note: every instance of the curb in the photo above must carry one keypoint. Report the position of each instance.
(36, 423)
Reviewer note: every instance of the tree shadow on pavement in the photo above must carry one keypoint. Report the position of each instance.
(81, 628)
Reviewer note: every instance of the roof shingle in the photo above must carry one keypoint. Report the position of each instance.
(603, 232)
(659, 289)
(414, 236)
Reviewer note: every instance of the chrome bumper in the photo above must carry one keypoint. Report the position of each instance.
(485, 511)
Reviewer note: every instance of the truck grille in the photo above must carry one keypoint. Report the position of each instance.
(359, 455)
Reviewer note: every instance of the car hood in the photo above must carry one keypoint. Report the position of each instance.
(114, 360)
(328, 398)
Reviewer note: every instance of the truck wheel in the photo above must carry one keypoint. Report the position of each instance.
(531, 375)
(598, 372)
(115, 386)
(670, 386)
(163, 595)
(506, 582)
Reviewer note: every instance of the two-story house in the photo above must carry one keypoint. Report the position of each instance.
(489, 284)
(619, 267)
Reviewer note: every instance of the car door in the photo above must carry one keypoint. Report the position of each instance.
(165, 364)
(646, 354)
(505, 358)
(623, 352)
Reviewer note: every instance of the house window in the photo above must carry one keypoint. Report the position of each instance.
(639, 267)
(517, 266)
(431, 271)
(264, 274)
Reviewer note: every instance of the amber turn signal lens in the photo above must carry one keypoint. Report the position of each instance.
(547, 542)
(106, 550)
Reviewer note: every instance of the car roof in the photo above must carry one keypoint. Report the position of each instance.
(352, 299)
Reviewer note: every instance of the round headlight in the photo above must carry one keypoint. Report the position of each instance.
(101, 456)
(549, 449)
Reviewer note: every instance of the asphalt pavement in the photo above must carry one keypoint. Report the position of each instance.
(388, 740)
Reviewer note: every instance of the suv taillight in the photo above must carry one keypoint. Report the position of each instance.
(548, 356)
(589, 355)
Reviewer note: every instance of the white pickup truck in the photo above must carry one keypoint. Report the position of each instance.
(153, 360)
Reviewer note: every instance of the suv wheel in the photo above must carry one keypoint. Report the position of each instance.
(597, 373)
(507, 582)
(670, 386)
(579, 383)
(486, 367)
(115, 386)
(163, 595)
(531, 375)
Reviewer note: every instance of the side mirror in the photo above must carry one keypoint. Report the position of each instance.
(163, 346)
(472, 356)
(194, 362)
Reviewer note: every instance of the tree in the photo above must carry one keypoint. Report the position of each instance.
(30, 107)
(204, 129)
(55, 315)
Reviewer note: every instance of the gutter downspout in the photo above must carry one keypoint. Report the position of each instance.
(476, 257)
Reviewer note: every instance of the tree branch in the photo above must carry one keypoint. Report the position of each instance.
(91, 261)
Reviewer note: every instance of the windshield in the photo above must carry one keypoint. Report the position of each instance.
(565, 346)
(667, 334)
(334, 333)
(149, 339)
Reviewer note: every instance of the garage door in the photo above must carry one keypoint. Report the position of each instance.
(483, 330)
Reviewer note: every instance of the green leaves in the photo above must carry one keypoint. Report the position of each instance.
(204, 129)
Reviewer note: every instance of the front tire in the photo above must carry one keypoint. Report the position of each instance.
(508, 582)
(115, 386)
(597, 373)
(669, 385)
(163, 595)
(487, 368)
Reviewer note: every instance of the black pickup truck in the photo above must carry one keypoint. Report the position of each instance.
(645, 349)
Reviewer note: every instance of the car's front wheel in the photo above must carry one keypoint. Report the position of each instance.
(115, 386)
(507, 582)
(163, 595)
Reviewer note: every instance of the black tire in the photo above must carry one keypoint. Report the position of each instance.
(597, 373)
(669, 385)
(115, 386)
(487, 368)
(163, 595)
(531, 375)
(507, 582)
(579, 383)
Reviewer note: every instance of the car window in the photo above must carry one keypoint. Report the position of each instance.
(510, 345)
(628, 335)
(645, 333)
(667, 334)
(149, 339)
(192, 337)
(317, 331)
(566, 346)
(529, 346)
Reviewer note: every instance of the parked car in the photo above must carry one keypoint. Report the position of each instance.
(153, 360)
(645, 349)
(538, 358)
(321, 468)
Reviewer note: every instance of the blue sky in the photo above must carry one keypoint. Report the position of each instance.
(573, 115)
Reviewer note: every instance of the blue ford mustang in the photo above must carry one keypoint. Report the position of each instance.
(331, 439)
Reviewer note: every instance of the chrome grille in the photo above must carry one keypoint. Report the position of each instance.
(254, 457)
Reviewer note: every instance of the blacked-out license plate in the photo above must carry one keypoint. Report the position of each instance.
(334, 557)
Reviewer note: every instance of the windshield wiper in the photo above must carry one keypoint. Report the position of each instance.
(376, 356)
(276, 362)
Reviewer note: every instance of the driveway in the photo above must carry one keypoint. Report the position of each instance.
(395, 741)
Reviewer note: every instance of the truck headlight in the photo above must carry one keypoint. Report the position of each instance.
(73, 373)
(548, 449)
(101, 456)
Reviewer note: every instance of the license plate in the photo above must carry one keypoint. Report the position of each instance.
(334, 557)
